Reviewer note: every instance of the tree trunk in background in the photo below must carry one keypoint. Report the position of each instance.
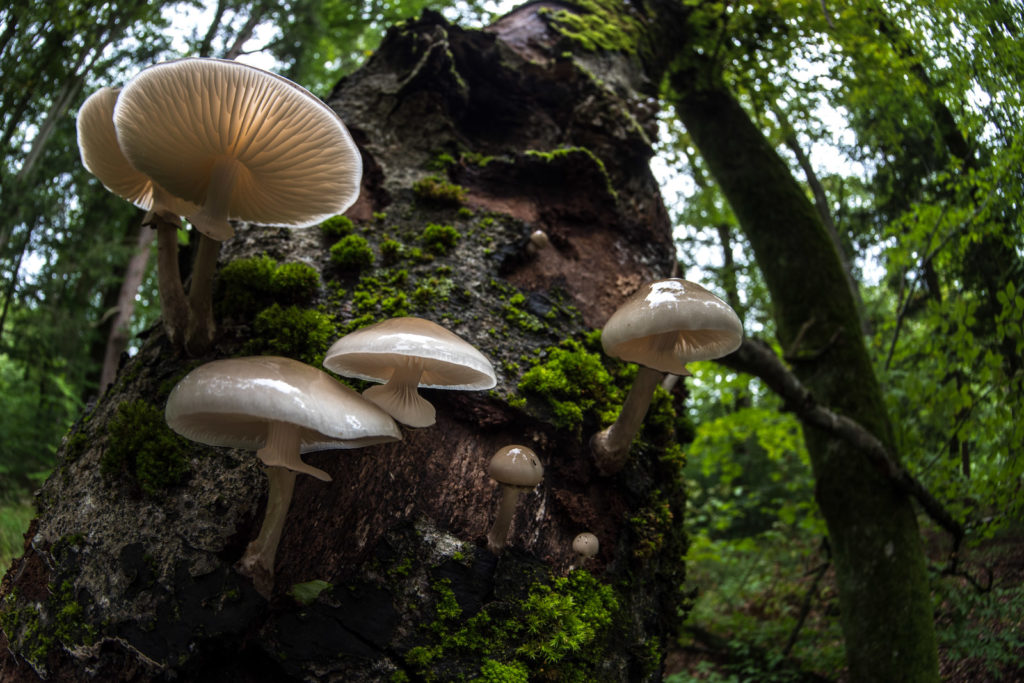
(120, 329)
(886, 609)
(128, 574)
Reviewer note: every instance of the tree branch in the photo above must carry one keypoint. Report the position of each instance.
(756, 358)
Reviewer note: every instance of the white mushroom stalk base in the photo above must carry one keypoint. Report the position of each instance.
(282, 450)
(212, 220)
(258, 560)
(498, 535)
(400, 399)
(611, 445)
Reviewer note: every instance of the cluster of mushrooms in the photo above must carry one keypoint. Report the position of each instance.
(213, 140)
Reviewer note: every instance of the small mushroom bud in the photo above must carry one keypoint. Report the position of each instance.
(517, 469)
(585, 545)
(538, 240)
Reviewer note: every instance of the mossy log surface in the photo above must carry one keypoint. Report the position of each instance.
(383, 574)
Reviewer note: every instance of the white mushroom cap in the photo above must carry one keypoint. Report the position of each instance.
(102, 156)
(586, 544)
(408, 353)
(372, 352)
(516, 466)
(669, 323)
(242, 142)
(231, 402)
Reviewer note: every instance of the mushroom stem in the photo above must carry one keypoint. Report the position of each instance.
(282, 450)
(611, 445)
(400, 399)
(212, 220)
(258, 560)
(173, 304)
(498, 534)
(201, 326)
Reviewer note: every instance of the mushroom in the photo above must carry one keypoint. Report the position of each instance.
(241, 142)
(102, 156)
(517, 469)
(585, 545)
(538, 241)
(661, 327)
(280, 408)
(407, 353)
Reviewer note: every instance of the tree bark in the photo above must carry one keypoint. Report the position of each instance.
(886, 610)
(384, 573)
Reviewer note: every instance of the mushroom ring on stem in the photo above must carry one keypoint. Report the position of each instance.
(407, 353)
(280, 408)
(241, 143)
(662, 327)
(102, 156)
(517, 469)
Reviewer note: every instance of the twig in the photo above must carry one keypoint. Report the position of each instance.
(757, 358)
(805, 607)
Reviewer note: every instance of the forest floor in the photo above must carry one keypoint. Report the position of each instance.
(979, 613)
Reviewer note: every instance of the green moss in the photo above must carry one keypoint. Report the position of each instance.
(477, 159)
(598, 25)
(436, 190)
(337, 227)
(576, 155)
(24, 630)
(76, 445)
(307, 593)
(352, 253)
(142, 448)
(464, 212)
(439, 239)
(300, 333)
(33, 631)
(496, 672)
(390, 252)
(441, 162)
(245, 285)
(573, 380)
(559, 626)
(69, 625)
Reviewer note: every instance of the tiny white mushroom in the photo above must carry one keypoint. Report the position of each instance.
(517, 469)
(538, 240)
(280, 408)
(662, 327)
(585, 545)
(407, 353)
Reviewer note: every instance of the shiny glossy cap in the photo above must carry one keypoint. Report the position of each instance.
(516, 466)
(230, 402)
(373, 352)
(102, 156)
(669, 323)
(290, 160)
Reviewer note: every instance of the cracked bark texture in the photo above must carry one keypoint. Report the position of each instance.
(117, 585)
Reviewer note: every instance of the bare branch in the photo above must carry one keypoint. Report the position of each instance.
(757, 358)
